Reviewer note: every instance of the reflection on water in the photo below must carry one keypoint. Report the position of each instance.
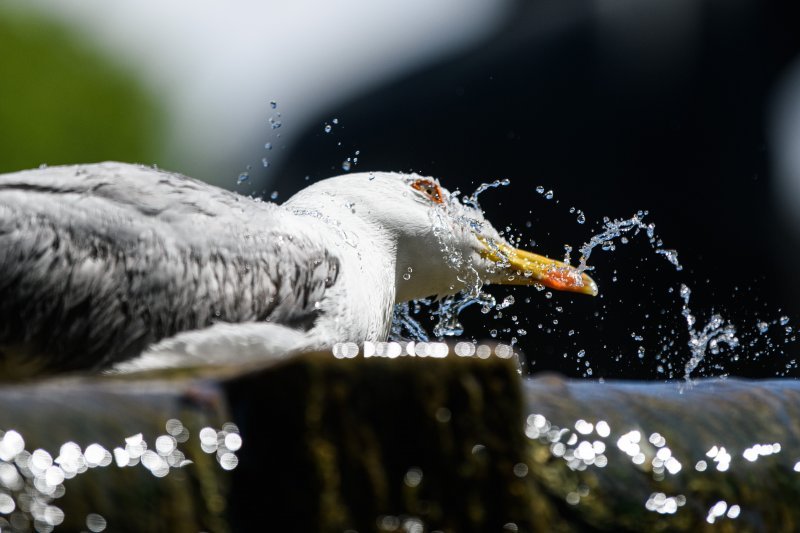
(435, 350)
(637, 456)
(32, 481)
(720, 450)
(583, 446)
(646, 455)
(609, 453)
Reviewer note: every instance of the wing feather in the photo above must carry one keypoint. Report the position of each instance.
(97, 262)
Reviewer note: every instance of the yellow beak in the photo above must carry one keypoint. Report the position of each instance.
(526, 268)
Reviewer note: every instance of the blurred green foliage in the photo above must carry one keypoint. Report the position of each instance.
(63, 101)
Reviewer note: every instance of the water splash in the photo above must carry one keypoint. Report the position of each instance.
(671, 256)
(446, 310)
(404, 326)
(450, 307)
(715, 333)
(617, 229)
(472, 200)
(441, 217)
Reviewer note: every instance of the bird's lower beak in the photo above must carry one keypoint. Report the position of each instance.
(518, 267)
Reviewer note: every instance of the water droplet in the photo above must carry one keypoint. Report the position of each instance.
(548, 195)
(581, 217)
(265, 162)
(346, 165)
(273, 104)
(328, 128)
(268, 146)
(244, 176)
(540, 189)
(274, 195)
(335, 121)
(685, 293)
(507, 301)
(406, 276)
(672, 257)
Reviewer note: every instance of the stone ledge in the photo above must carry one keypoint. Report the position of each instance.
(329, 445)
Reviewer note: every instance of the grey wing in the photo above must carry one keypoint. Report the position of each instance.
(97, 262)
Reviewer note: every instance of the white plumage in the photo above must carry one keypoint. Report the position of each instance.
(101, 263)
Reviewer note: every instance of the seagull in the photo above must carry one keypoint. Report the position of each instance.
(126, 267)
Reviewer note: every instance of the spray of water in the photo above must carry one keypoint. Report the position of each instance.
(712, 337)
(617, 229)
(715, 333)
(404, 326)
(445, 310)
(472, 200)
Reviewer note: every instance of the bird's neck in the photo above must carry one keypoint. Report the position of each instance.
(359, 306)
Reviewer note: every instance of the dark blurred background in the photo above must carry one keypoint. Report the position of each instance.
(689, 110)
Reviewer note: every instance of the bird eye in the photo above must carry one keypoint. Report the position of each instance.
(430, 189)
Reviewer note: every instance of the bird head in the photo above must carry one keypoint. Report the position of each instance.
(442, 245)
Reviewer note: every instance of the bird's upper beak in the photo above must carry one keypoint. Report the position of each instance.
(519, 267)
